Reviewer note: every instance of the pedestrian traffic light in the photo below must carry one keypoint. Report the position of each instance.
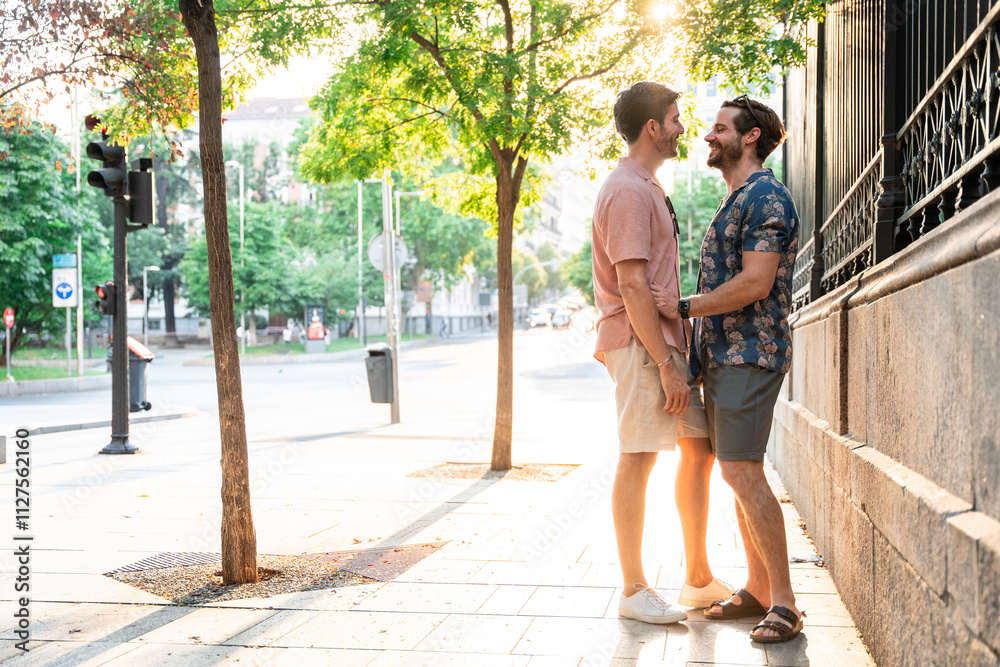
(113, 177)
(105, 298)
(141, 193)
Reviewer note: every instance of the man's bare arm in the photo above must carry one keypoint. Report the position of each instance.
(751, 284)
(642, 314)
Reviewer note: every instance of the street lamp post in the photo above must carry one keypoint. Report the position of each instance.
(551, 263)
(243, 310)
(399, 232)
(145, 304)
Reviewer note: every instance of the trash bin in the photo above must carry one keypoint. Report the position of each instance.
(379, 366)
(139, 357)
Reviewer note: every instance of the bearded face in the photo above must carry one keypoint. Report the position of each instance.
(725, 152)
(725, 143)
(670, 131)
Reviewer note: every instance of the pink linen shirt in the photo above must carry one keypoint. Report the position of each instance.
(633, 220)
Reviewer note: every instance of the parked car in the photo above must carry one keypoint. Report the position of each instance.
(562, 318)
(539, 317)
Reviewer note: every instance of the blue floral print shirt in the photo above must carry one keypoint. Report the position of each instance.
(759, 217)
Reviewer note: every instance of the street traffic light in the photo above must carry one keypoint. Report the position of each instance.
(113, 177)
(142, 193)
(105, 298)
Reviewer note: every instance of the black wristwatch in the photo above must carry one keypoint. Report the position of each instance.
(684, 308)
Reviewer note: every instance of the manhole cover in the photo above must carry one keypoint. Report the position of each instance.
(167, 559)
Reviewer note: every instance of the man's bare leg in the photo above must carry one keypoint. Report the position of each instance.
(694, 471)
(763, 517)
(758, 584)
(628, 507)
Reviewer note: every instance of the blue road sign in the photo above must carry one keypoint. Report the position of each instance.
(63, 261)
(64, 290)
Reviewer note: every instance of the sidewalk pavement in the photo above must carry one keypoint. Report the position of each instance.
(528, 573)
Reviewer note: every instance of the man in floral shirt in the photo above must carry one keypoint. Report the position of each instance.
(745, 346)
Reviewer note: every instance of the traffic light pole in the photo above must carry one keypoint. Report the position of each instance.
(391, 295)
(119, 350)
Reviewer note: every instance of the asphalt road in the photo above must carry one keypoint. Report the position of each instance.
(447, 389)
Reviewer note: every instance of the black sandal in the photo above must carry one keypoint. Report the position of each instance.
(786, 630)
(748, 607)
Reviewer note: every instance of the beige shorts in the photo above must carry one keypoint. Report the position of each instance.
(643, 426)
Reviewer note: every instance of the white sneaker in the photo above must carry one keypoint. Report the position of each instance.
(706, 596)
(646, 605)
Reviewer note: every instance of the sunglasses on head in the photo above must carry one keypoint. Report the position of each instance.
(745, 99)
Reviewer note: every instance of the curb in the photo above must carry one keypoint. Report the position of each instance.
(55, 386)
(322, 358)
(61, 428)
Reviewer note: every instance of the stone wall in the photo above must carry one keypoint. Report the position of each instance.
(887, 436)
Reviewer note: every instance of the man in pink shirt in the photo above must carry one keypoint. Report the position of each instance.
(634, 246)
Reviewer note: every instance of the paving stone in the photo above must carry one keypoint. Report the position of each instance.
(271, 628)
(63, 653)
(592, 640)
(433, 659)
(297, 657)
(425, 597)
(206, 626)
(575, 601)
(508, 600)
(480, 633)
(171, 655)
(715, 641)
(338, 599)
(362, 630)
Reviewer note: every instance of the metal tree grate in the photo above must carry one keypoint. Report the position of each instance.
(167, 559)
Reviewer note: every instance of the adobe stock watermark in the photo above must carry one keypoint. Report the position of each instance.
(262, 476)
(465, 452)
(588, 495)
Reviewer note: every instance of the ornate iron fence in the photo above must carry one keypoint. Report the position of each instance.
(930, 68)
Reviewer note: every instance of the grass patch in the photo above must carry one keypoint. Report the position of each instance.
(49, 353)
(43, 373)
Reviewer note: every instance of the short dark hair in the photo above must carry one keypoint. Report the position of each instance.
(643, 101)
(772, 130)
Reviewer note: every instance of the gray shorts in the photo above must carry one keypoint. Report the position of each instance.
(739, 405)
(643, 426)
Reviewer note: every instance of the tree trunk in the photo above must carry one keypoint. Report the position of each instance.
(239, 541)
(169, 320)
(503, 428)
(169, 288)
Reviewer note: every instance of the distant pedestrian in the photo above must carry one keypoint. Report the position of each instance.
(745, 343)
(286, 335)
(635, 241)
(443, 332)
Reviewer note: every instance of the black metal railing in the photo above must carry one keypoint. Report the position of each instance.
(847, 234)
(802, 275)
(930, 68)
(949, 143)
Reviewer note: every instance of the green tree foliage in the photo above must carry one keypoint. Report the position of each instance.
(744, 41)
(42, 216)
(501, 83)
(578, 269)
(261, 272)
(696, 198)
